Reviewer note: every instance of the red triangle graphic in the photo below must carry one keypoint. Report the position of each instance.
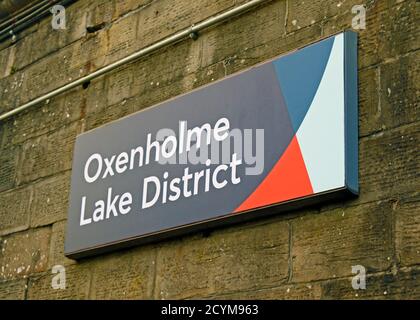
(287, 180)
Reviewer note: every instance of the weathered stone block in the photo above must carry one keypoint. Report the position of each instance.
(100, 12)
(99, 113)
(48, 154)
(29, 49)
(50, 200)
(50, 73)
(76, 19)
(95, 99)
(14, 210)
(13, 289)
(229, 260)
(302, 14)
(389, 163)
(159, 20)
(250, 30)
(399, 91)
(8, 160)
(166, 68)
(41, 119)
(122, 38)
(24, 253)
(57, 246)
(26, 49)
(22, 60)
(77, 284)
(404, 284)
(124, 6)
(10, 89)
(141, 85)
(370, 119)
(407, 229)
(119, 85)
(126, 275)
(7, 57)
(399, 33)
(388, 94)
(390, 31)
(327, 245)
(292, 291)
(88, 54)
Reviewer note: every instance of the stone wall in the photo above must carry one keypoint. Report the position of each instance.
(302, 254)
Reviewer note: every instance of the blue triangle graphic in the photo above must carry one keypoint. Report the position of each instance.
(299, 75)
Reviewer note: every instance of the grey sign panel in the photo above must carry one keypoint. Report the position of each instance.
(123, 194)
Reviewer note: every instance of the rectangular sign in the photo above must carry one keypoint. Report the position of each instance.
(280, 135)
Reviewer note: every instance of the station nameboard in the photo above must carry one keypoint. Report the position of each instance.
(278, 136)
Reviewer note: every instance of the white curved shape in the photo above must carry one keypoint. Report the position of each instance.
(321, 135)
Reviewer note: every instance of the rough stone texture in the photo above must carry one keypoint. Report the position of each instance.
(224, 262)
(43, 156)
(369, 107)
(404, 284)
(389, 163)
(29, 50)
(8, 160)
(396, 101)
(119, 85)
(128, 275)
(13, 289)
(122, 38)
(326, 245)
(7, 58)
(56, 113)
(225, 41)
(78, 54)
(14, 210)
(406, 212)
(307, 254)
(286, 292)
(56, 255)
(50, 200)
(399, 91)
(124, 6)
(24, 253)
(77, 284)
(391, 29)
